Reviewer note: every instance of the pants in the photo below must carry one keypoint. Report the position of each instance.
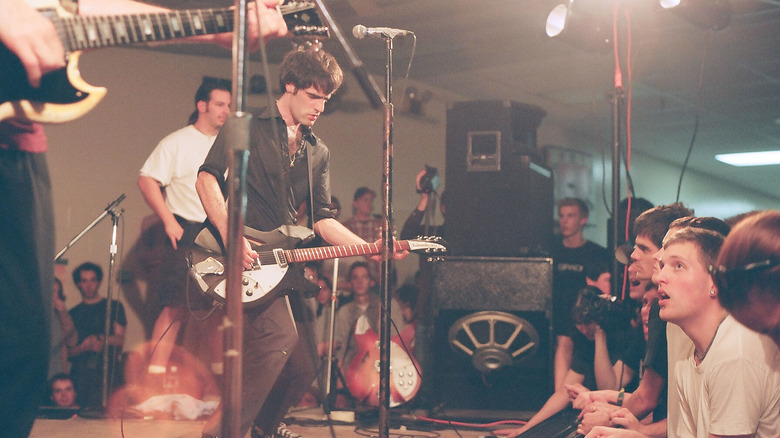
(279, 361)
(26, 280)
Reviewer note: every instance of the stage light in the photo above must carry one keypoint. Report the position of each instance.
(581, 23)
(707, 14)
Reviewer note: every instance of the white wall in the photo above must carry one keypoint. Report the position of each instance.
(96, 158)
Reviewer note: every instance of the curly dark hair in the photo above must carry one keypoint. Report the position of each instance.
(304, 68)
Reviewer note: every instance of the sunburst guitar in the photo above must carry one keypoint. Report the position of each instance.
(64, 96)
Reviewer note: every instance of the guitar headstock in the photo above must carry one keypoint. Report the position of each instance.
(303, 22)
(433, 247)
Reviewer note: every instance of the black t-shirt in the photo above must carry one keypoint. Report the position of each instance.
(657, 356)
(90, 319)
(569, 266)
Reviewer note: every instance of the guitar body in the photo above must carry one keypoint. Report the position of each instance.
(257, 284)
(63, 95)
(271, 270)
(362, 375)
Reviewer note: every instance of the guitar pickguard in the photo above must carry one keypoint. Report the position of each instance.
(255, 284)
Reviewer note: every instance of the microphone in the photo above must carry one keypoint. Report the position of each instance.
(360, 32)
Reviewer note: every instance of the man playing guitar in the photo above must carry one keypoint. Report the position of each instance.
(277, 368)
(27, 240)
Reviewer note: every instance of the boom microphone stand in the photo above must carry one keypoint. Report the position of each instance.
(115, 212)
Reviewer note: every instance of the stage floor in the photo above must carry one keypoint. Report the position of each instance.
(310, 423)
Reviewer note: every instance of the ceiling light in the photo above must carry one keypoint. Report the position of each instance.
(744, 159)
(581, 23)
(707, 14)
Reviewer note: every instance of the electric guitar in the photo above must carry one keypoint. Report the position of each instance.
(362, 375)
(270, 272)
(64, 96)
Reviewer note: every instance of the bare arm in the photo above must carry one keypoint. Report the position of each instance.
(645, 398)
(556, 403)
(216, 210)
(153, 196)
(563, 354)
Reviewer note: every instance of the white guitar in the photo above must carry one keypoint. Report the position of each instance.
(270, 271)
(64, 96)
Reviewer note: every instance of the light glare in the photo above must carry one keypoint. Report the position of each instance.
(556, 20)
(745, 159)
(668, 4)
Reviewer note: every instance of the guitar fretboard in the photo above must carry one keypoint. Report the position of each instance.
(91, 32)
(332, 252)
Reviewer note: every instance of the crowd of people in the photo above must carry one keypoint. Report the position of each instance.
(692, 351)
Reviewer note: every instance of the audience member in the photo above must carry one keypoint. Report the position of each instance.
(571, 255)
(362, 222)
(596, 360)
(89, 318)
(421, 222)
(651, 394)
(62, 392)
(748, 273)
(363, 303)
(729, 384)
(63, 332)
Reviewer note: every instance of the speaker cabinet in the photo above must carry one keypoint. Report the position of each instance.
(500, 196)
(491, 337)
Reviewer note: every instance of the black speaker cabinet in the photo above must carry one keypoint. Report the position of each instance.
(491, 338)
(500, 196)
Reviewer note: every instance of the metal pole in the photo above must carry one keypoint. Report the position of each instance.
(237, 130)
(387, 249)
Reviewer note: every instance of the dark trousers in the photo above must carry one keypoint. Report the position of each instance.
(26, 279)
(279, 361)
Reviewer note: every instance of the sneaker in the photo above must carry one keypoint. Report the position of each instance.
(283, 432)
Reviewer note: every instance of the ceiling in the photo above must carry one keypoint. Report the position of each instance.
(497, 49)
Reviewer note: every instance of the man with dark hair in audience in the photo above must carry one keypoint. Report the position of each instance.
(62, 392)
(89, 318)
(571, 256)
(650, 396)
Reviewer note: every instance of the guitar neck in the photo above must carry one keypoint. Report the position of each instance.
(92, 32)
(301, 255)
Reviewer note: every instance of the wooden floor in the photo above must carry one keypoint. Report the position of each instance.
(309, 423)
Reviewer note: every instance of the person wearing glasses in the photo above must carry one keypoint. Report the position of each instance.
(728, 381)
(748, 273)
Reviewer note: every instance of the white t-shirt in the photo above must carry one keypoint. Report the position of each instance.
(174, 164)
(679, 347)
(735, 390)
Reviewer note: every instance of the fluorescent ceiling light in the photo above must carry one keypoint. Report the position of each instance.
(743, 159)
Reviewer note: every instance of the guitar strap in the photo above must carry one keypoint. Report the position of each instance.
(311, 191)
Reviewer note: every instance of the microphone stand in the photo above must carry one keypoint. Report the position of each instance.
(375, 97)
(115, 213)
(387, 249)
(236, 130)
(334, 299)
